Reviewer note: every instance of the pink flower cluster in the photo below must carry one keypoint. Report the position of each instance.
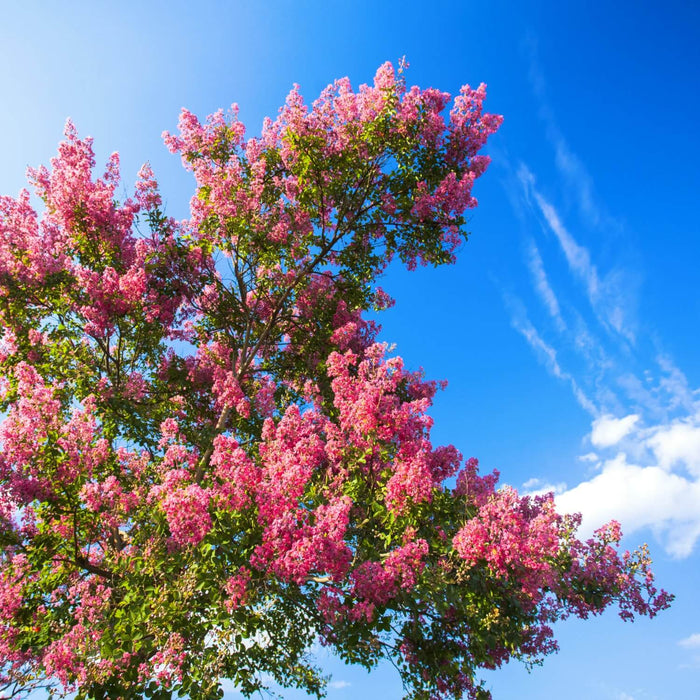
(525, 541)
(393, 432)
(235, 183)
(515, 537)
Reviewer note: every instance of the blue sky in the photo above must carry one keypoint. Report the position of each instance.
(568, 330)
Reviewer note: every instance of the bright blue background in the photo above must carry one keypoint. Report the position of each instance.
(601, 108)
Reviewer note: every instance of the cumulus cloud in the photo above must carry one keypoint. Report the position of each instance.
(608, 430)
(678, 444)
(338, 685)
(657, 489)
(639, 497)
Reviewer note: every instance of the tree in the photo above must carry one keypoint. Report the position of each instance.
(209, 462)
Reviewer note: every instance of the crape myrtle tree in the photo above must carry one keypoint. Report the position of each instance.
(208, 462)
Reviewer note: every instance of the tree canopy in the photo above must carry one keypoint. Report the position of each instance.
(209, 461)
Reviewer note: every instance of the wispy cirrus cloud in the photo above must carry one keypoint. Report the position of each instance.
(578, 180)
(648, 459)
(543, 286)
(608, 295)
(674, 384)
(545, 352)
(642, 465)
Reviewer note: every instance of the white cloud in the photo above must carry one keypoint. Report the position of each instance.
(639, 497)
(678, 444)
(608, 430)
(337, 685)
(692, 642)
(647, 477)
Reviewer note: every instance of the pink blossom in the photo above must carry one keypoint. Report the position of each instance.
(187, 512)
